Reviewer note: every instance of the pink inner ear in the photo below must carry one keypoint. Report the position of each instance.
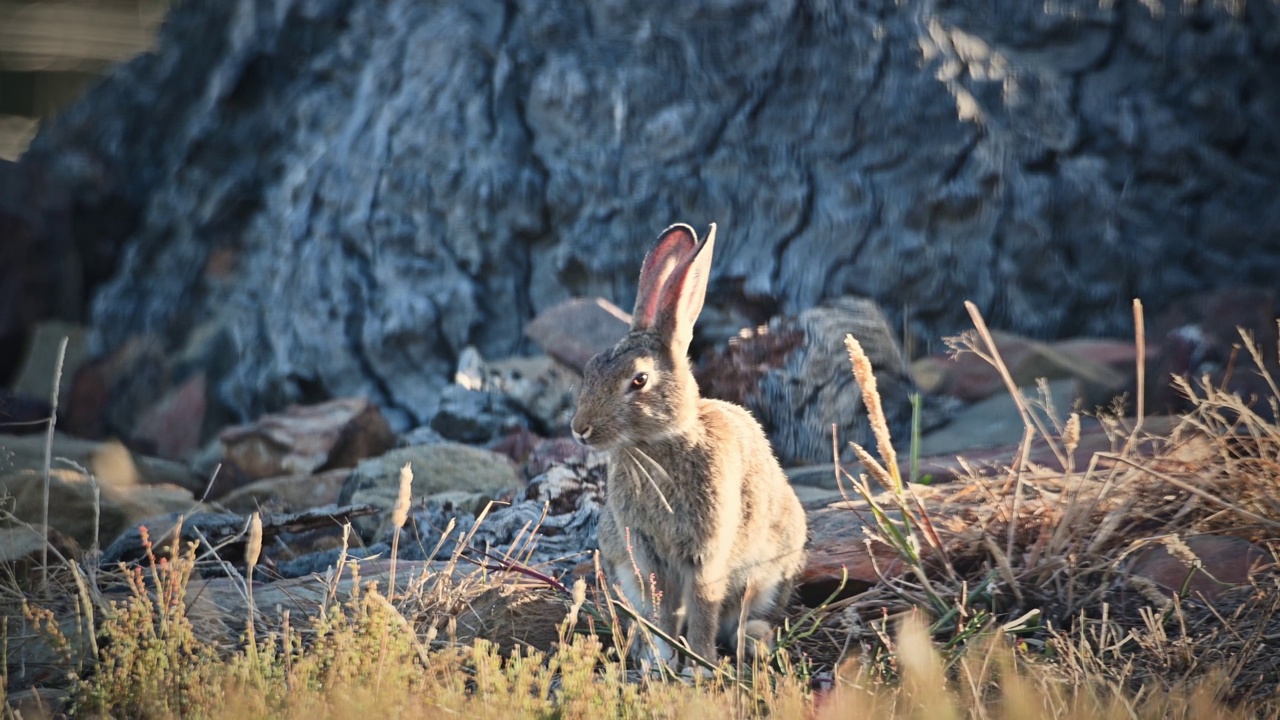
(674, 246)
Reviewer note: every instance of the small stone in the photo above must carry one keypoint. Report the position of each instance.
(290, 493)
(1226, 562)
(77, 510)
(423, 435)
(541, 386)
(302, 440)
(556, 451)
(108, 394)
(517, 445)
(172, 427)
(436, 468)
(575, 330)
(475, 416)
(110, 462)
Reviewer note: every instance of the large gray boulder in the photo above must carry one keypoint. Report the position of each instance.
(319, 198)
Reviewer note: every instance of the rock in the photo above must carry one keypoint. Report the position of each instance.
(173, 427)
(110, 462)
(1034, 161)
(436, 468)
(969, 440)
(837, 549)
(558, 451)
(21, 547)
(77, 510)
(573, 331)
(794, 375)
(290, 493)
(35, 377)
(458, 501)
(1225, 562)
(303, 440)
(993, 422)
(476, 416)
(420, 436)
(517, 445)
(542, 387)
(225, 531)
(971, 378)
(1200, 335)
(23, 414)
(108, 393)
(551, 524)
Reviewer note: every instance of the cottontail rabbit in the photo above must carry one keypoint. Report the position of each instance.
(698, 508)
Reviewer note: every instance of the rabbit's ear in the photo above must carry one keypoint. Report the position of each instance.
(683, 294)
(675, 245)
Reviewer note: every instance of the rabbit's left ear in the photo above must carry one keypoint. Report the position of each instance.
(680, 301)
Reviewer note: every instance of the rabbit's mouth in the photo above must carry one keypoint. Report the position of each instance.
(585, 433)
(596, 437)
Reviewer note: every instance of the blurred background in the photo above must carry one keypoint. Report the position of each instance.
(50, 51)
(237, 206)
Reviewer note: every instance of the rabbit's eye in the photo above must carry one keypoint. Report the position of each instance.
(638, 381)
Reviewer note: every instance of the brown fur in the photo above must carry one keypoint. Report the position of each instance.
(730, 519)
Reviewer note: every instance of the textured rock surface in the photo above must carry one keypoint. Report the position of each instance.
(289, 493)
(794, 375)
(302, 440)
(330, 197)
(87, 514)
(436, 468)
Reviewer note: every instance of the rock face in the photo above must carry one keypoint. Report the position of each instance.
(329, 198)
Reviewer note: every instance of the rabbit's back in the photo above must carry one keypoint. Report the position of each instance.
(772, 530)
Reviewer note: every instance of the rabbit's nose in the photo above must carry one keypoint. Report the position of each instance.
(583, 434)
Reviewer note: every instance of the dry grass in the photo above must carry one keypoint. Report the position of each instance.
(1016, 603)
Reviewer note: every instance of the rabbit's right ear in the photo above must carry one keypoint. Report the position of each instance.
(675, 245)
(682, 296)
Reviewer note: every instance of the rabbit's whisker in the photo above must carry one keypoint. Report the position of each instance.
(652, 483)
(654, 463)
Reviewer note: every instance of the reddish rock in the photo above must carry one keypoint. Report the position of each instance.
(302, 440)
(734, 373)
(517, 444)
(172, 427)
(1226, 562)
(1119, 355)
(970, 378)
(109, 393)
(837, 546)
(575, 330)
(1200, 335)
(555, 451)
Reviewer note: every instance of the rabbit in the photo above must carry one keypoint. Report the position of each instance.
(698, 515)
